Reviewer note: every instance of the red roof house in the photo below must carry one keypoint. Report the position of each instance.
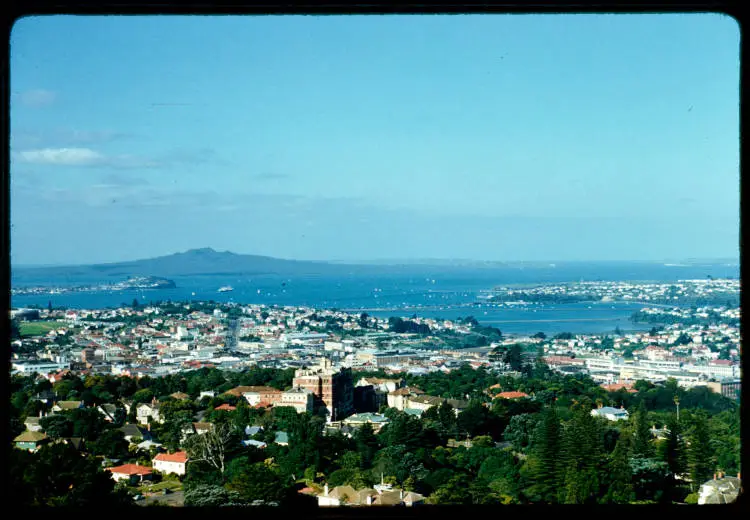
(132, 472)
(511, 395)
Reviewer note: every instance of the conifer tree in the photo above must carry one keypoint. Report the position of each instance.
(698, 453)
(582, 449)
(544, 458)
(642, 446)
(619, 475)
(672, 449)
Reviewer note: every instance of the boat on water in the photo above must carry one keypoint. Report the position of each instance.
(226, 288)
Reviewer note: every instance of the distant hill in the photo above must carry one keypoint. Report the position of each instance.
(207, 261)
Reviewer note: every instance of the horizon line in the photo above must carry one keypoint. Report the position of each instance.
(397, 261)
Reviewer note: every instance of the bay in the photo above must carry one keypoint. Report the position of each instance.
(426, 293)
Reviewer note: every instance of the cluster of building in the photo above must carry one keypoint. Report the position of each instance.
(656, 358)
(151, 341)
(709, 289)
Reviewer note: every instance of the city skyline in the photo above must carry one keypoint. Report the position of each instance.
(499, 138)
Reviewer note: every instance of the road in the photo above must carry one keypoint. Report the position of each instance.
(176, 499)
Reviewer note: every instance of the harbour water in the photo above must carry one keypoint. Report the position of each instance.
(428, 295)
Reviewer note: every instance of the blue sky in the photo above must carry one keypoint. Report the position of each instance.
(492, 137)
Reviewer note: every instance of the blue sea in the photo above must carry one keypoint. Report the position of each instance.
(429, 294)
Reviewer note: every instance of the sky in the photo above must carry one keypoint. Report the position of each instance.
(487, 137)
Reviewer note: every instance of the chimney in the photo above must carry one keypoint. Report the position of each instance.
(325, 490)
(714, 476)
(401, 494)
(369, 500)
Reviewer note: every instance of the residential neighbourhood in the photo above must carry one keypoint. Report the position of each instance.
(264, 369)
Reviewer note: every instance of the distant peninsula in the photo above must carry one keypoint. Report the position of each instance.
(133, 282)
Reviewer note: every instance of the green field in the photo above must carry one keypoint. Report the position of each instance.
(39, 328)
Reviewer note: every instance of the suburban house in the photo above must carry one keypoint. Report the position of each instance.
(253, 430)
(107, 410)
(60, 406)
(381, 496)
(180, 396)
(381, 384)
(144, 411)
(133, 433)
(257, 444)
(612, 414)
(32, 423)
(45, 396)
(171, 463)
(132, 473)
(31, 441)
(720, 490)
(202, 427)
(512, 395)
(397, 399)
(281, 438)
(423, 402)
(377, 421)
(226, 407)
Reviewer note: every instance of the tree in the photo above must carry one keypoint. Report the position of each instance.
(540, 335)
(144, 395)
(520, 430)
(641, 433)
(367, 445)
(699, 451)
(57, 426)
(543, 462)
(672, 449)
(454, 492)
(580, 453)
(15, 329)
(212, 447)
(58, 475)
(212, 496)
(474, 420)
(619, 474)
(256, 482)
(363, 320)
(111, 444)
(135, 303)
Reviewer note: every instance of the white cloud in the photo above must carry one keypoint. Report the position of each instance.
(62, 156)
(82, 157)
(37, 97)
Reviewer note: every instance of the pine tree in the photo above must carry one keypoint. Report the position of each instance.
(544, 458)
(642, 447)
(672, 449)
(619, 474)
(582, 449)
(698, 453)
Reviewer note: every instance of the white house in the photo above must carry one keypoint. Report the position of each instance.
(612, 414)
(171, 463)
(146, 410)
